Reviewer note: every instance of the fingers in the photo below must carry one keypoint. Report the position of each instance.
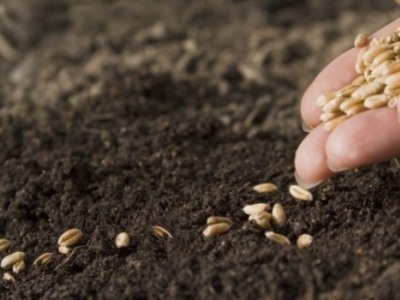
(337, 74)
(369, 137)
(366, 138)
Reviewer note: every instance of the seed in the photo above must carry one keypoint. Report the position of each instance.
(350, 102)
(304, 241)
(347, 90)
(161, 232)
(333, 105)
(216, 219)
(252, 209)
(329, 116)
(378, 70)
(64, 249)
(333, 123)
(18, 267)
(384, 56)
(325, 98)
(359, 80)
(4, 244)
(122, 240)
(392, 102)
(391, 68)
(393, 80)
(70, 237)
(361, 40)
(277, 238)
(262, 219)
(278, 215)
(360, 63)
(299, 193)
(43, 259)
(367, 90)
(265, 188)
(373, 52)
(376, 101)
(12, 259)
(392, 92)
(8, 277)
(216, 229)
(356, 109)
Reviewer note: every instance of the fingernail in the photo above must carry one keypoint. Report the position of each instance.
(335, 169)
(306, 128)
(305, 184)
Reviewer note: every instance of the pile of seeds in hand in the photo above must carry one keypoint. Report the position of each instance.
(264, 220)
(378, 83)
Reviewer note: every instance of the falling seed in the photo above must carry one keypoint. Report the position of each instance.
(12, 259)
(70, 237)
(18, 266)
(278, 215)
(161, 232)
(261, 219)
(8, 277)
(216, 219)
(4, 244)
(122, 240)
(216, 229)
(304, 241)
(255, 208)
(277, 238)
(43, 259)
(265, 188)
(300, 194)
(64, 249)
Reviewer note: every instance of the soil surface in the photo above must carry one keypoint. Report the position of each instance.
(141, 113)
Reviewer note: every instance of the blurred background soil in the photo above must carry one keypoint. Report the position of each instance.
(119, 115)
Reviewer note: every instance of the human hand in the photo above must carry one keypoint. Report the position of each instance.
(365, 138)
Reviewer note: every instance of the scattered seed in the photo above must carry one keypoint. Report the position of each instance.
(18, 266)
(64, 249)
(12, 259)
(261, 219)
(43, 259)
(70, 237)
(216, 219)
(216, 229)
(277, 238)
(300, 194)
(265, 188)
(252, 209)
(4, 244)
(161, 232)
(304, 241)
(278, 215)
(122, 240)
(8, 277)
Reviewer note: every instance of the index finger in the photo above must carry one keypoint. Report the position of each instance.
(339, 73)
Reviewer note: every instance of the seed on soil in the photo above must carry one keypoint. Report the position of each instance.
(18, 266)
(8, 277)
(255, 208)
(70, 237)
(216, 229)
(4, 244)
(122, 240)
(299, 193)
(278, 215)
(43, 259)
(217, 219)
(261, 219)
(265, 188)
(304, 241)
(12, 259)
(161, 232)
(277, 238)
(64, 250)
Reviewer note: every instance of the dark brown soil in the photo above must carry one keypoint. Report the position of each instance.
(142, 113)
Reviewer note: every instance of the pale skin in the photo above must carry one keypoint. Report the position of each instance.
(369, 137)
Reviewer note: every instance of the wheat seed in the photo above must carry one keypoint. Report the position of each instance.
(70, 237)
(335, 122)
(361, 40)
(359, 80)
(347, 90)
(11, 259)
(43, 259)
(304, 241)
(252, 209)
(350, 102)
(64, 249)
(300, 194)
(325, 117)
(325, 98)
(356, 109)
(261, 219)
(277, 238)
(333, 105)
(265, 188)
(367, 90)
(384, 56)
(122, 240)
(216, 229)
(392, 102)
(8, 277)
(373, 52)
(4, 244)
(216, 219)
(18, 266)
(161, 232)
(278, 215)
